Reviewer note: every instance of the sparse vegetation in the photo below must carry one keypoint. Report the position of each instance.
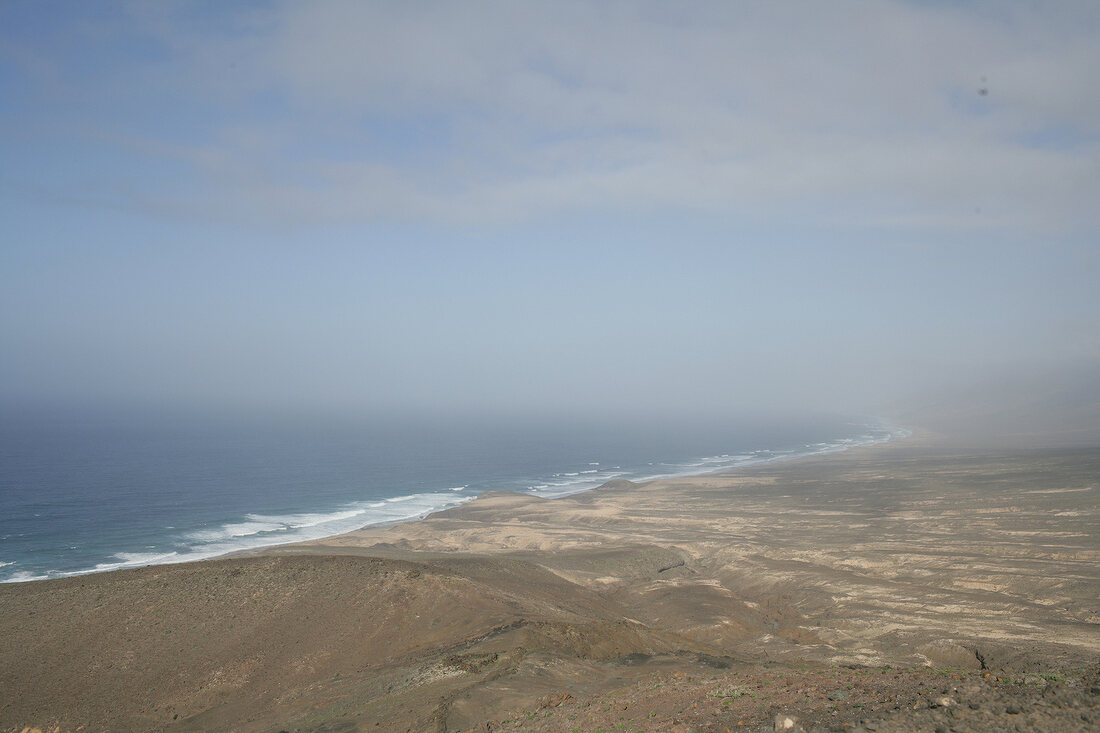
(732, 691)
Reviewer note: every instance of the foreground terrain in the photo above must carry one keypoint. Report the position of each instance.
(900, 587)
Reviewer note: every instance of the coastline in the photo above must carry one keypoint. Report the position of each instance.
(912, 555)
(510, 497)
(914, 437)
(253, 533)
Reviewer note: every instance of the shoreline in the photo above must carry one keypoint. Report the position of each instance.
(916, 439)
(894, 433)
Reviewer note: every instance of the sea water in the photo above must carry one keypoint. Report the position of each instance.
(80, 496)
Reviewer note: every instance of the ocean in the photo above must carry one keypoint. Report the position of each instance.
(82, 496)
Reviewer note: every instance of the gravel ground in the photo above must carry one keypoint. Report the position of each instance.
(838, 699)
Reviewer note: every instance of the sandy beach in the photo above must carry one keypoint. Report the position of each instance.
(848, 590)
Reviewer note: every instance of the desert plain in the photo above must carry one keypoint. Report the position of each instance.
(907, 586)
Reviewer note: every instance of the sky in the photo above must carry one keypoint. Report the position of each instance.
(582, 208)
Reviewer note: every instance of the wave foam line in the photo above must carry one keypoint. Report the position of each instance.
(883, 434)
(263, 530)
(558, 489)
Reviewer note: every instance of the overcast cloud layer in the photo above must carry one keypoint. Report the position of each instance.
(697, 206)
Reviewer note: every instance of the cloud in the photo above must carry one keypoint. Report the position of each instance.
(500, 111)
